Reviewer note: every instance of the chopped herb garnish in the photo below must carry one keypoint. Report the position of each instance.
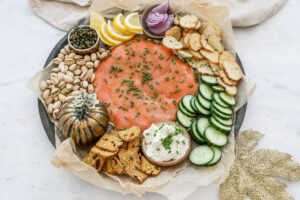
(137, 114)
(161, 56)
(167, 78)
(105, 80)
(192, 85)
(163, 107)
(111, 112)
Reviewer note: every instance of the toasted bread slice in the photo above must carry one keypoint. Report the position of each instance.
(108, 166)
(232, 70)
(132, 171)
(188, 21)
(149, 168)
(226, 80)
(117, 166)
(198, 25)
(194, 42)
(212, 57)
(215, 68)
(103, 153)
(172, 43)
(211, 29)
(231, 90)
(109, 142)
(186, 40)
(205, 44)
(204, 68)
(193, 62)
(177, 20)
(135, 143)
(130, 134)
(196, 54)
(94, 161)
(226, 56)
(185, 53)
(175, 32)
(216, 42)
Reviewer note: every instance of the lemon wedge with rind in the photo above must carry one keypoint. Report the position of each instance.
(132, 23)
(96, 19)
(105, 37)
(115, 34)
(118, 24)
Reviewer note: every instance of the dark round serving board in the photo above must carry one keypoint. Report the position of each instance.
(49, 126)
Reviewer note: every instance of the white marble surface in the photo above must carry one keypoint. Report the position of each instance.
(269, 52)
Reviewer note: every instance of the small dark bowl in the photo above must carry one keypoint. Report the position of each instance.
(143, 18)
(90, 50)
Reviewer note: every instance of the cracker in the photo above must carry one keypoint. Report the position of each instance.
(185, 53)
(94, 161)
(232, 70)
(226, 80)
(194, 41)
(231, 90)
(103, 153)
(132, 171)
(226, 56)
(117, 166)
(135, 143)
(149, 168)
(188, 21)
(204, 68)
(205, 44)
(196, 54)
(215, 68)
(212, 57)
(109, 142)
(175, 32)
(130, 134)
(210, 28)
(172, 43)
(130, 156)
(108, 166)
(216, 42)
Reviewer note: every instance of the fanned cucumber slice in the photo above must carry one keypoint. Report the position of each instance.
(230, 100)
(201, 109)
(185, 111)
(210, 80)
(201, 155)
(202, 124)
(195, 135)
(193, 104)
(225, 122)
(183, 119)
(219, 126)
(186, 102)
(205, 91)
(217, 99)
(215, 137)
(226, 111)
(204, 103)
(219, 114)
(217, 156)
(217, 88)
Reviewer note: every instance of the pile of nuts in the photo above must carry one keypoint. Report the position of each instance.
(73, 74)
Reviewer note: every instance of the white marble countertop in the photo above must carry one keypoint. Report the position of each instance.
(270, 55)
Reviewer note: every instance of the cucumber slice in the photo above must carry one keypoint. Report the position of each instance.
(217, 156)
(201, 109)
(201, 155)
(219, 114)
(193, 104)
(195, 135)
(230, 100)
(219, 126)
(205, 91)
(204, 103)
(217, 88)
(210, 80)
(215, 137)
(217, 99)
(185, 111)
(225, 122)
(186, 102)
(183, 119)
(202, 124)
(226, 111)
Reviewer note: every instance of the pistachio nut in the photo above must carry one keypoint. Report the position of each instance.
(57, 60)
(46, 94)
(89, 65)
(43, 85)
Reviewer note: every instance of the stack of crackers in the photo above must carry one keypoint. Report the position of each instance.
(120, 153)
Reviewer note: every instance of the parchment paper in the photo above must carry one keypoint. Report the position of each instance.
(183, 178)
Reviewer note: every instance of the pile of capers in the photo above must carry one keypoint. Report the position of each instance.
(83, 37)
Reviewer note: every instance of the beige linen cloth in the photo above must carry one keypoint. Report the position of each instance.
(64, 14)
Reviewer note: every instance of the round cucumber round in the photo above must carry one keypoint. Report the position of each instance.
(230, 100)
(225, 122)
(202, 124)
(215, 137)
(219, 114)
(210, 80)
(185, 111)
(226, 111)
(183, 119)
(217, 99)
(205, 91)
(217, 156)
(217, 88)
(201, 109)
(204, 103)
(219, 126)
(201, 155)
(196, 137)
(186, 103)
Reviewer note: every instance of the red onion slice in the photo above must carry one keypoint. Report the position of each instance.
(163, 28)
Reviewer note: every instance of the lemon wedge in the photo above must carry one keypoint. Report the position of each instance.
(96, 19)
(118, 24)
(115, 34)
(106, 38)
(132, 23)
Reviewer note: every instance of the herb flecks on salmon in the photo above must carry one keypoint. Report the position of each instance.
(141, 83)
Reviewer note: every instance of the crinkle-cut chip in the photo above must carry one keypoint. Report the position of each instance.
(108, 166)
(231, 90)
(132, 171)
(149, 168)
(175, 32)
(194, 42)
(135, 143)
(130, 134)
(216, 42)
(184, 53)
(205, 44)
(196, 54)
(204, 68)
(129, 156)
(226, 80)
(94, 161)
(212, 57)
(198, 25)
(188, 21)
(109, 142)
(215, 68)
(211, 28)
(193, 62)
(103, 153)
(225, 56)
(177, 20)
(232, 70)
(117, 166)
(172, 43)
